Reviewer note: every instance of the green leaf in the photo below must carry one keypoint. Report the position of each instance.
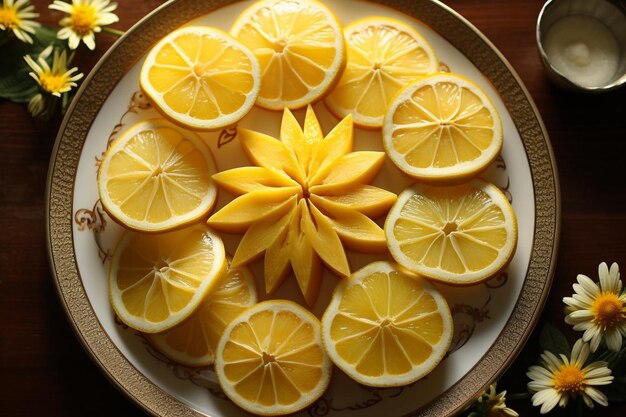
(4, 37)
(617, 362)
(616, 391)
(15, 83)
(554, 340)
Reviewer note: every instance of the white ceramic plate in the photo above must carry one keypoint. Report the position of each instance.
(492, 320)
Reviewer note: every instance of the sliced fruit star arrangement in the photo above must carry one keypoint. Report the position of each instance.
(304, 203)
(307, 199)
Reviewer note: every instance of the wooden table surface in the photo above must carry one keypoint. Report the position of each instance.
(43, 368)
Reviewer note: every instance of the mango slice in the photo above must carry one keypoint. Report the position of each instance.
(262, 234)
(306, 199)
(250, 208)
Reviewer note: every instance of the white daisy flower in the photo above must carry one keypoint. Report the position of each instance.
(55, 80)
(599, 310)
(86, 18)
(18, 16)
(560, 378)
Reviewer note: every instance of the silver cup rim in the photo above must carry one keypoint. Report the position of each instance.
(555, 74)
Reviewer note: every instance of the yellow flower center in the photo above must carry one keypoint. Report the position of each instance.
(83, 19)
(608, 310)
(569, 379)
(52, 83)
(8, 18)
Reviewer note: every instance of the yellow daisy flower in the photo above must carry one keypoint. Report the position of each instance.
(307, 197)
(599, 309)
(55, 80)
(18, 16)
(496, 403)
(86, 18)
(560, 379)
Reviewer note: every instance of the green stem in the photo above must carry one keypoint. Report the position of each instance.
(518, 396)
(112, 31)
(4, 37)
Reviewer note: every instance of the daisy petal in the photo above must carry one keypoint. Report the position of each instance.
(597, 396)
(614, 277)
(90, 41)
(587, 401)
(550, 398)
(536, 386)
(590, 287)
(581, 314)
(595, 340)
(580, 353)
(613, 339)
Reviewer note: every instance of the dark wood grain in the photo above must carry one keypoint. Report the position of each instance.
(45, 371)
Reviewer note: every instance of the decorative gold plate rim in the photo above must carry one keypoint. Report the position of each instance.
(130, 47)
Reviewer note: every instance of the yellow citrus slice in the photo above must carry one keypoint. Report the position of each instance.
(158, 280)
(384, 328)
(442, 128)
(193, 342)
(156, 177)
(460, 234)
(300, 48)
(383, 56)
(201, 78)
(270, 359)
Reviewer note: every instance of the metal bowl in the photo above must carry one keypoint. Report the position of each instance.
(611, 13)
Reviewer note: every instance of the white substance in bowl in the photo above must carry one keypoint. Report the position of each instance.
(583, 50)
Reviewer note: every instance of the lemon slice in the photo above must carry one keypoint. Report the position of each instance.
(459, 234)
(156, 177)
(201, 78)
(442, 128)
(270, 359)
(158, 280)
(300, 48)
(383, 56)
(384, 328)
(193, 341)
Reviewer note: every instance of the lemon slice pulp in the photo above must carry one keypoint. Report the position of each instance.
(384, 328)
(201, 78)
(156, 177)
(460, 234)
(442, 128)
(193, 342)
(383, 56)
(158, 280)
(270, 359)
(300, 48)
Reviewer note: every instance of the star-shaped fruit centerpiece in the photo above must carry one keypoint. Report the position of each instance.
(307, 199)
